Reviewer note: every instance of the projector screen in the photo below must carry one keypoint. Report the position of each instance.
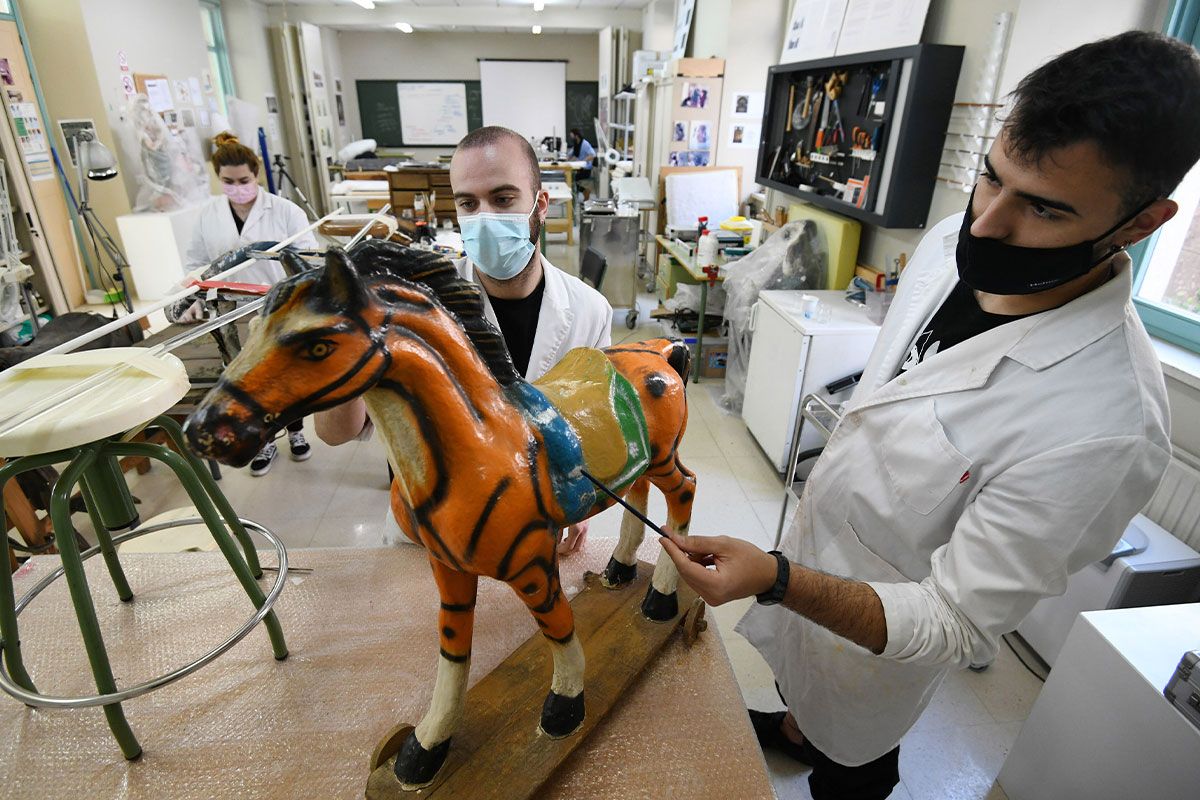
(529, 97)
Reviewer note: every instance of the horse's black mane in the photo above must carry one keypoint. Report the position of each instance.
(460, 297)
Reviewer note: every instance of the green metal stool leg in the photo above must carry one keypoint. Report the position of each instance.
(105, 481)
(106, 545)
(8, 613)
(191, 482)
(60, 513)
(210, 486)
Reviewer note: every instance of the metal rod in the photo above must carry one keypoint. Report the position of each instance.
(117, 324)
(65, 394)
(363, 231)
(621, 500)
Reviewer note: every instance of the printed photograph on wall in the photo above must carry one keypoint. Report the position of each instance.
(697, 158)
(680, 134)
(693, 96)
(341, 111)
(699, 137)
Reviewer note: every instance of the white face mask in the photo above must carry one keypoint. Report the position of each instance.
(498, 244)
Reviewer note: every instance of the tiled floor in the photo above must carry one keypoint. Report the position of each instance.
(338, 498)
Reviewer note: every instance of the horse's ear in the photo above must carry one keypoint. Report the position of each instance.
(341, 283)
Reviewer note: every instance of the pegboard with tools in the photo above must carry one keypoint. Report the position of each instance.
(861, 134)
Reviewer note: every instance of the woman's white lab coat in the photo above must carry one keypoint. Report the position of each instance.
(272, 218)
(963, 491)
(572, 315)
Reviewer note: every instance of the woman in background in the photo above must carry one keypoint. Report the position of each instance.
(242, 215)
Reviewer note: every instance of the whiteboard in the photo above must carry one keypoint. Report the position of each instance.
(530, 97)
(432, 113)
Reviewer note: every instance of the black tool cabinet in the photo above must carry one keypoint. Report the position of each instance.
(880, 164)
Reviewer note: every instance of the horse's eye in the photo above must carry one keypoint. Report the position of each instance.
(318, 350)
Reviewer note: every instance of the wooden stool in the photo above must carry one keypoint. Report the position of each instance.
(83, 408)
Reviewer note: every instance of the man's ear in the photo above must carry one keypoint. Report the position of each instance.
(543, 204)
(1153, 217)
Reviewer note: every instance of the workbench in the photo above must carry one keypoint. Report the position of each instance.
(362, 629)
(680, 267)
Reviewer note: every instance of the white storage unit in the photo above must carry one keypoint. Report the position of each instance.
(156, 245)
(1101, 728)
(792, 357)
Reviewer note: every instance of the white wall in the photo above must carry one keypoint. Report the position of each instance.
(331, 49)
(247, 39)
(391, 55)
(711, 24)
(658, 25)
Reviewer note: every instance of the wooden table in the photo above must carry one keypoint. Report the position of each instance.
(362, 633)
(683, 269)
(565, 224)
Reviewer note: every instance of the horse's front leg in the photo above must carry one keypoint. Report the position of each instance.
(538, 587)
(425, 750)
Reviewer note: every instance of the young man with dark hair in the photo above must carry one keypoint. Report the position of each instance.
(1011, 420)
(541, 311)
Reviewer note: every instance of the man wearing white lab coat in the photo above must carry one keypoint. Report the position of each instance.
(542, 312)
(1010, 421)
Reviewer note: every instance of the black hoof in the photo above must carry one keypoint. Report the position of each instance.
(561, 716)
(416, 766)
(617, 574)
(659, 607)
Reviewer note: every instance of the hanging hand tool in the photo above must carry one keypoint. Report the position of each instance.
(791, 104)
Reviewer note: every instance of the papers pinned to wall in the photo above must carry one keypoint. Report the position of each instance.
(744, 134)
(813, 30)
(158, 92)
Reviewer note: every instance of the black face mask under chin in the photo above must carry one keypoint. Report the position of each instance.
(990, 265)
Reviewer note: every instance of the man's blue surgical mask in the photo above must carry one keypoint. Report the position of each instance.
(498, 244)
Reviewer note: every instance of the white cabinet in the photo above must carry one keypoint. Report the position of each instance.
(792, 357)
(156, 245)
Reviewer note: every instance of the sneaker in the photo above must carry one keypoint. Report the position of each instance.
(768, 730)
(301, 450)
(261, 464)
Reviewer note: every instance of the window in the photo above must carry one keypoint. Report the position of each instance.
(218, 55)
(1167, 283)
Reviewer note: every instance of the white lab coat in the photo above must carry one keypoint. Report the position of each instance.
(963, 491)
(272, 219)
(572, 315)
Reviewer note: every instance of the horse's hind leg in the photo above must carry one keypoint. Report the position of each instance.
(622, 567)
(425, 749)
(679, 486)
(538, 587)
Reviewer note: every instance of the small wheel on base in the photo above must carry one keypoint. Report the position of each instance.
(631, 318)
(694, 623)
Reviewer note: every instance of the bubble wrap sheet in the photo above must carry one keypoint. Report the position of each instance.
(362, 633)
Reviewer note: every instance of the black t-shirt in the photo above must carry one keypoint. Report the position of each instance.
(238, 221)
(518, 323)
(959, 318)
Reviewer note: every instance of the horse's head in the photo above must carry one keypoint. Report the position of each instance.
(318, 342)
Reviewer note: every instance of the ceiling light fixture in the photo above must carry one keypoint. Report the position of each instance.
(537, 29)
(404, 27)
(539, 5)
(369, 5)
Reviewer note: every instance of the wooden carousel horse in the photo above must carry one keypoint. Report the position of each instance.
(488, 468)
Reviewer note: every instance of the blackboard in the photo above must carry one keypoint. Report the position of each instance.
(379, 109)
(583, 107)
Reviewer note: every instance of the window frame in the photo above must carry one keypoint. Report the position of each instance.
(219, 48)
(1183, 22)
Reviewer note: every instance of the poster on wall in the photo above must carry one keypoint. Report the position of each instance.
(158, 92)
(747, 105)
(341, 111)
(881, 24)
(813, 30)
(433, 113)
(699, 135)
(32, 140)
(182, 93)
(194, 88)
(70, 127)
(745, 134)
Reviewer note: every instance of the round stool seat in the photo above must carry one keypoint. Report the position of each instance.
(53, 402)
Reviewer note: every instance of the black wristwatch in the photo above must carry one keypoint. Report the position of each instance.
(774, 595)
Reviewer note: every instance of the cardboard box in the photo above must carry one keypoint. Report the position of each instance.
(700, 67)
(713, 358)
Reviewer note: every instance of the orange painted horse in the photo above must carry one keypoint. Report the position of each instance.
(488, 468)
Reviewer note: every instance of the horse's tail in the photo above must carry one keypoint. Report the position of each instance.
(679, 356)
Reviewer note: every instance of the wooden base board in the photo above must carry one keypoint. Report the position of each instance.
(499, 752)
